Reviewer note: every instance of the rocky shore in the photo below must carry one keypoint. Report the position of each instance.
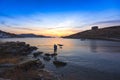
(13, 67)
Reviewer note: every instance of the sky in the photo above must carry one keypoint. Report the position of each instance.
(57, 17)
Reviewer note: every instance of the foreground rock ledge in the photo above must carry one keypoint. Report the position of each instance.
(30, 70)
(10, 53)
(16, 48)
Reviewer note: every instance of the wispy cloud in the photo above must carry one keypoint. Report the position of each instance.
(57, 22)
(4, 24)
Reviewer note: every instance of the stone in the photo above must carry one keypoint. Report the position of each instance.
(59, 63)
(33, 64)
(46, 58)
(54, 54)
(35, 54)
(47, 54)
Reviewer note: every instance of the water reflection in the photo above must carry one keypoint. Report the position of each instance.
(93, 46)
(79, 52)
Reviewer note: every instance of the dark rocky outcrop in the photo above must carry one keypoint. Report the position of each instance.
(31, 70)
(46, 58)
(47, 54)
(33, 64)
(35, 54)
(15, 64)
(16, 48)
(59, 63)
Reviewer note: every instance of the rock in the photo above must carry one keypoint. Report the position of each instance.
(46, 58)
(47, 54)
(16, 48)
(35, 54)
(59, 44)
(54, 54)
(59, 63)
(33, 64)
(33, 48)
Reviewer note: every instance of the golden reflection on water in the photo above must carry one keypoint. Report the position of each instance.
(71, 45)
(46, 44)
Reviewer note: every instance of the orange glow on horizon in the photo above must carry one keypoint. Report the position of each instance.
(53, 33)
(45, 32)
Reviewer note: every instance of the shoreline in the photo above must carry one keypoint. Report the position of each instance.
(12, 55)
(105, 39)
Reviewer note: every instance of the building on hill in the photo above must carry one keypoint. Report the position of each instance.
(94, 28)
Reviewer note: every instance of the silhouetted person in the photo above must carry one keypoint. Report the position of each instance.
(55, 48)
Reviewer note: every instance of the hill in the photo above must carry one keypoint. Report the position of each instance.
(32, 35)
(4, 34)
(109, 33)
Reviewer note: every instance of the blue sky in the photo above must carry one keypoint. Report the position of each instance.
(52, 16)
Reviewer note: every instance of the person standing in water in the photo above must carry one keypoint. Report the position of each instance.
(55, 48)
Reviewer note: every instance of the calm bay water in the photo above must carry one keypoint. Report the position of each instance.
(88, 59)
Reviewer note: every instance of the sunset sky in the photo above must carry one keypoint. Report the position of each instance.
(57, 17)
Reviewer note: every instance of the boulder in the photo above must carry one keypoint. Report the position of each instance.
(59, 63)
(46, 58)
(59, 44)
(54, 54)
(33, 64)
(35, 54)
(16, 48)
(47, 54)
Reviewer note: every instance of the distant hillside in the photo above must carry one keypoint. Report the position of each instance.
(103, 33)
(7, 35)
(32, 35)
(4, 34)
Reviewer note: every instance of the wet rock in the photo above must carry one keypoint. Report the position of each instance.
(47, 54)
(16, 48)
(46, 58)
(32, 48)
(33, 64)
(59, 44)
(54, 54)
(59, 63)
(35, 54)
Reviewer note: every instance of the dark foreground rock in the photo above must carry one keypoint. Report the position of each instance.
(31, 70)
(16, 48)
(46, 58)
(35, 54)
(48, 54)
(15, 66)
(33, 64)
(59, 63)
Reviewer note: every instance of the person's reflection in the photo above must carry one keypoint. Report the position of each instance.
(93, 46)
(55, 58)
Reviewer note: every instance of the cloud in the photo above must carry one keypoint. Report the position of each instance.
(3, 24)
(74, 21)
